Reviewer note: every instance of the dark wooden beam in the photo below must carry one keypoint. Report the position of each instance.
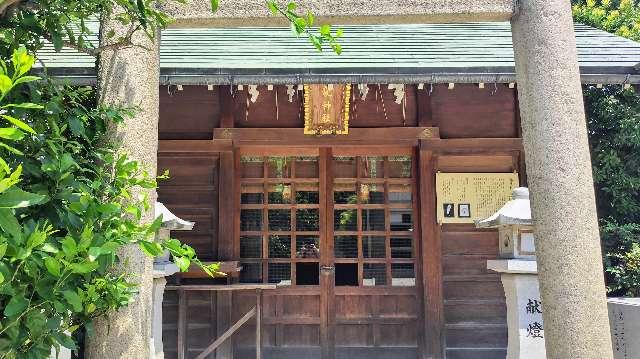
(475, 146)
(390, 136)
(194, 146)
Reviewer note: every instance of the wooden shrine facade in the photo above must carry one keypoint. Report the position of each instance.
(344, 225)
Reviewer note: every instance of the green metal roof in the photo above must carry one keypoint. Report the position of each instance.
(470, 52)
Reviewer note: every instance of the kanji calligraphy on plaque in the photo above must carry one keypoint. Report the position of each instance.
(467, 197)
(326, 109)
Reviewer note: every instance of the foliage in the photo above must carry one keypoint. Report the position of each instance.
(302, 25)
(621, 17)
(67, 23)
(613, 118)
(60, 237)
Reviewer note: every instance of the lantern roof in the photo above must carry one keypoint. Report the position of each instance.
(515, 212)
(170, 221)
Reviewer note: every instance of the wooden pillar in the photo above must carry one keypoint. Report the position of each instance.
(431, 257)
(226, 230)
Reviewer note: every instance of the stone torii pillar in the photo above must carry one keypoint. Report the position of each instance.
(559, 174)
(130, 77)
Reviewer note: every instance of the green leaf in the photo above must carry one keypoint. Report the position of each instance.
(25, 79)
(214, 5)
(339, 32)
(182, 263)
(64, 340)
(109, 247)
(74, 299)
(16, 306)
(49, 248)
(26, 105)
(69, 247)
(11, 133)
(19, 124)
(52, 265)
(325, 29)
(14, 197)
(85, 238)
(94, 253)
(76, 126)
(36, 322)
(84, 267)
(56, 38)
(11, 149)
(5, 84)
(22, 61)
(273, 7)
(36, 238)
(3, 249)
(142, 12)
(9, 223)
(291, 6)
(4, 166)
(155, 225)
(152, 249)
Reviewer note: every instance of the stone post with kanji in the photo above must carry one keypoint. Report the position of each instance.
(519, 274)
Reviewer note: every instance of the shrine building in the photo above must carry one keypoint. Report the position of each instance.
(343, 189)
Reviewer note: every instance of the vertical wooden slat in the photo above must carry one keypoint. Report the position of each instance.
(227, 106)
(294, 224)
(258, 323)
(327, 278)
(417, 252)
(228, 194)
(226, 199)
(423, 97)
(182, 324)
(265, 220)
(431, 257)
(387, 223)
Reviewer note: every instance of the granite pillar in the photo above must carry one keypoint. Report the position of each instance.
(559, 174)
(129, 77)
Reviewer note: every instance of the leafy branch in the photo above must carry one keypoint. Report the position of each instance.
(302, 24)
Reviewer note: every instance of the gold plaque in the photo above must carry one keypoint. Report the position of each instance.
(326, 109)
(467, 197)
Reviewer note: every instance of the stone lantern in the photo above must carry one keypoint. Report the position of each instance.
(162, 268)
(519, 275)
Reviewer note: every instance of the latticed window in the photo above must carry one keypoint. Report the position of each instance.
(369, 220)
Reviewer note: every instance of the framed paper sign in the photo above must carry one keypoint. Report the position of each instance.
(467, 197)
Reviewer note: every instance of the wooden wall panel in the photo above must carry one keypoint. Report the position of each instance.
(464, 112)
(474, 303)
(264, 112)
(495, 163)
(379, 108)
(468, 111)
(191, 193)
(190, 114)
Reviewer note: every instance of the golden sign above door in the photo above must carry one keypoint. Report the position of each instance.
(326, 109)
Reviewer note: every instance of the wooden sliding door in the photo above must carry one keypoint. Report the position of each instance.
(336, 230)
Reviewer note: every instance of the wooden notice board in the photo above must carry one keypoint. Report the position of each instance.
(467, 197)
